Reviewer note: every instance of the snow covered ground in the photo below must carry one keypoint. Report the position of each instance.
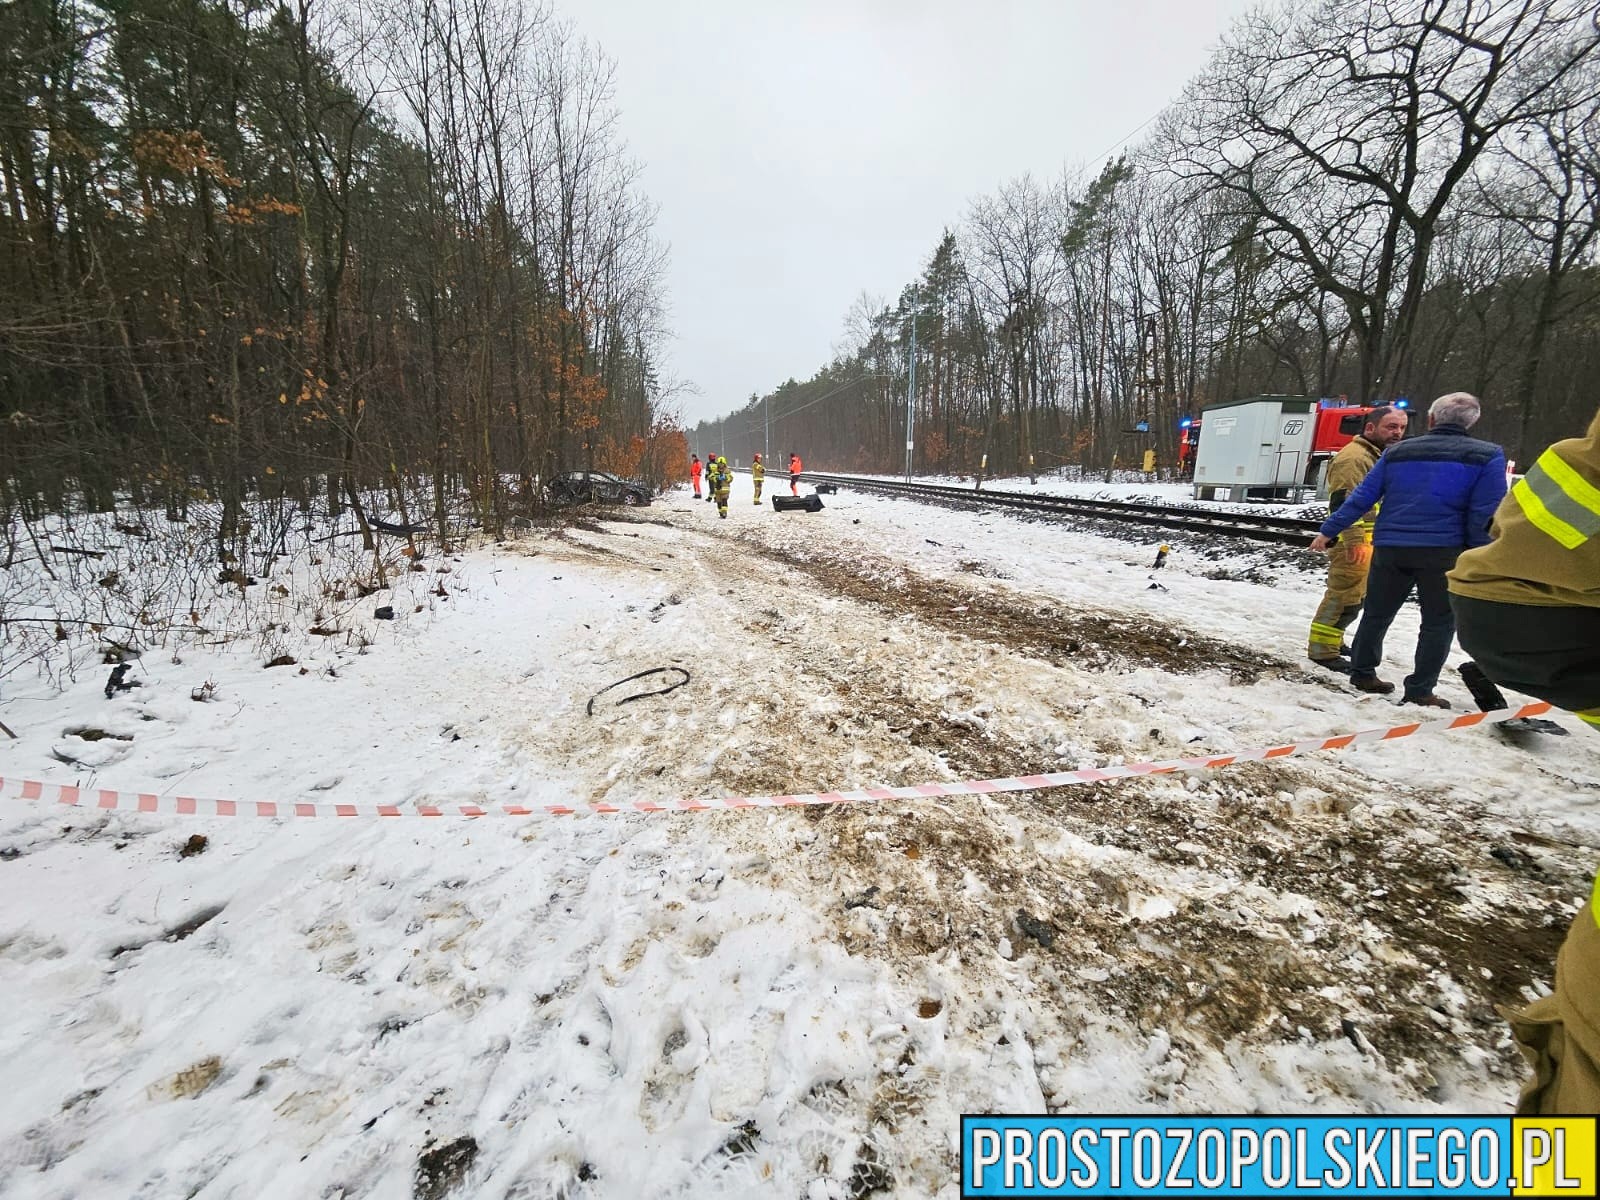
(766, 1002)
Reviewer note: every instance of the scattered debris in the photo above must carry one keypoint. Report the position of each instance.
(283, 660)
(1513, 858)
(642, 695)
(113, 651)
(864, 900)
(392, 1025)
(660, 607)
(385, 613)
(810, 504)
(1040, 931)
(118, 682)
(196, 844)
(743, 1140)
(443, 1169)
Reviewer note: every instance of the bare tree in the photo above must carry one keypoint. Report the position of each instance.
(1347, 128)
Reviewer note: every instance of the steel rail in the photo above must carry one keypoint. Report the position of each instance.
(1294, 531)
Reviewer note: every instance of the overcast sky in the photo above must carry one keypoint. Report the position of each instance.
(805, 151)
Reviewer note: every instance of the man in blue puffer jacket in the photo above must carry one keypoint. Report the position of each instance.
(1438, 493)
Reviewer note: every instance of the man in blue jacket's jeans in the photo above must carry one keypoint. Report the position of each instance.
(1438, 493)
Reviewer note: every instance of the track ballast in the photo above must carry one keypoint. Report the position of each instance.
(1291, 531)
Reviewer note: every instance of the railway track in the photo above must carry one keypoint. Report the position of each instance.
(1287, 531)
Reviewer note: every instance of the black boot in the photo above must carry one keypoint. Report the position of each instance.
(1484, 693)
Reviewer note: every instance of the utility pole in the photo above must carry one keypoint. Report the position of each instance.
(1100, 362)
(911, 386)
(766, 438)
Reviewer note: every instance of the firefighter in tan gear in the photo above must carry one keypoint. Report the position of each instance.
(1351, 555)
(1527, 609)
(721, 482)
(758, 472)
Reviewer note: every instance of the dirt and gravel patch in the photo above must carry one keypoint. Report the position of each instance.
(1095, 641)
(1217, 915)
(1260, 906)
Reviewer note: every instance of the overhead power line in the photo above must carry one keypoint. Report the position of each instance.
(1126, 138)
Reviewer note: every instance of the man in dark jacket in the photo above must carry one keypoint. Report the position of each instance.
(1438, 493)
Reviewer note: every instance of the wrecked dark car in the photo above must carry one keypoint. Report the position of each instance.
(597, 487)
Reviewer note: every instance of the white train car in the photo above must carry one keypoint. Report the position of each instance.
(1259, 448)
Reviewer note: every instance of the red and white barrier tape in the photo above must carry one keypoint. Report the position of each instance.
(149, 802)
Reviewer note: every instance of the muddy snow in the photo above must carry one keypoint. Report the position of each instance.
(784, 1002)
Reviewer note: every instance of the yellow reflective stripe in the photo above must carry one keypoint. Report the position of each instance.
(1578, 489)
(1560, 501)
(1594, 901)
(1543, 519)
(1330, 634)
(1590, 716)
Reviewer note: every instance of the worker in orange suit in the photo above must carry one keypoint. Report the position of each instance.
(695, 469)
(794, 474)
